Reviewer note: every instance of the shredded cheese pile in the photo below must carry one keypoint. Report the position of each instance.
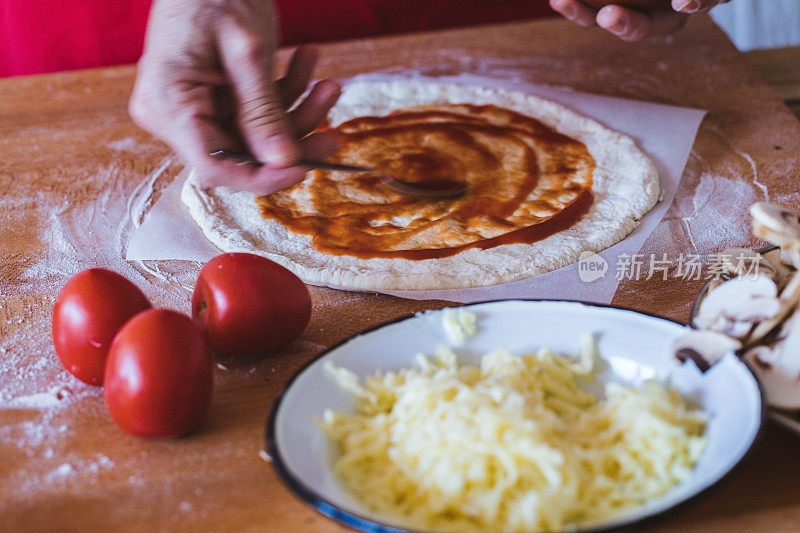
(515, 444)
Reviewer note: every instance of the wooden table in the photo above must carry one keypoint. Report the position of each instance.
(72, 160)
(781, 70)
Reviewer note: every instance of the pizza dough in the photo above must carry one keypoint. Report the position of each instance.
(623, 182)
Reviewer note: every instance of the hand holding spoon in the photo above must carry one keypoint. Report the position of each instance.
(437, 188)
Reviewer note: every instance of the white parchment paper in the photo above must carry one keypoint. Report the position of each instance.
(665, 133)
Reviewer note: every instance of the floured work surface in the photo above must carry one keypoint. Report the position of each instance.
(542, 184)
(74, 159)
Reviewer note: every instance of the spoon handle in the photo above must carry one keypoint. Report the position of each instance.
(306, 162)
(327, 165)
(436, 189)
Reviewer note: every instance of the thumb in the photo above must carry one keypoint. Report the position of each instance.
(247, 57)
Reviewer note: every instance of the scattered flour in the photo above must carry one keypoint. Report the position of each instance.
(39, 400)
(56, 397)
(126, 144)
(60, 473)
(709, 212)
(717, 212)
(70, 471)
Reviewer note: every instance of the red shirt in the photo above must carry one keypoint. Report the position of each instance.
(49, 35)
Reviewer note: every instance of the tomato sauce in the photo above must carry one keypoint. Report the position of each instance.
(524, 182)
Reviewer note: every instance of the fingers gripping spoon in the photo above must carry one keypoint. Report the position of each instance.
(437, 188)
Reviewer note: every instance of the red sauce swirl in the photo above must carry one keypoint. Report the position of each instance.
(524, 182)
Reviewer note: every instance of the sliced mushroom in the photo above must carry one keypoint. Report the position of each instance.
(762, 356)
(777, 224)
(732, 328)
(789, 362)
(772, 261)
(704, 347)
(782, 388)
(716, 282)
(771, 253)
(744, 299)
(790, 254)
(778, 365)
(789, 298)
(773, 344)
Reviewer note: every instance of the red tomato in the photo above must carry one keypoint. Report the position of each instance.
(89, 310)
(158, 375)
(247, 304)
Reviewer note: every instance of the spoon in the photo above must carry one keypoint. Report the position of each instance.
(437, 188)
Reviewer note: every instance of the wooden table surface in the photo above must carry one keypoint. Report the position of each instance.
(781, 70)
(76, 177)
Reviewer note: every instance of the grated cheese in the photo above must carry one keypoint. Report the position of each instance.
(458, 325)
(514, 444)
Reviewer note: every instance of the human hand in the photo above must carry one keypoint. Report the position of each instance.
(629, 24)
(205, 82)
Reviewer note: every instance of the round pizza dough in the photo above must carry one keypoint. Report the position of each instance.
(624, 184)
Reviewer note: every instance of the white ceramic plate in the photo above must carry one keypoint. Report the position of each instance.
(635, 345)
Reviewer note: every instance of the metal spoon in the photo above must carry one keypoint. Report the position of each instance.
(437, 188)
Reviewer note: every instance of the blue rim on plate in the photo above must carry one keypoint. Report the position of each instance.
(354, 520)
